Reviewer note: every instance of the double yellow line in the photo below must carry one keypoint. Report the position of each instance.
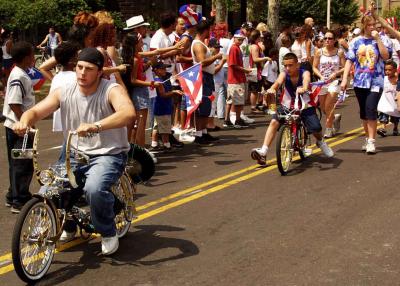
(196, 192)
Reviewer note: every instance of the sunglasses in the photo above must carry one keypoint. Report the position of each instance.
(328, 38)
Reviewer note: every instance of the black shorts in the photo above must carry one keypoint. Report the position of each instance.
(368, 102)
(255, 86)
(310, 120)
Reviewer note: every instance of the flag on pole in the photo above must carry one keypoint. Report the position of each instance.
(36, 77)
(191, 81)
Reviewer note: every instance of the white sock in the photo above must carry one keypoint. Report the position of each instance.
(204, 131)
(371, 140)
(154, 143)
(199, 133)
(167, 145)
(264, 149)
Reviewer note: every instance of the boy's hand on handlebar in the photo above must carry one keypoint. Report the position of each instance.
(271, 91)
(86, 129)
(301, 90)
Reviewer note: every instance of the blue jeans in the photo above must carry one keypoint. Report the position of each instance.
(221, 100)
(95, 181)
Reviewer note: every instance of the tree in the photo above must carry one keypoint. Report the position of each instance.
(273, 17)
(295, 11)
(256, 10)
(221, 10)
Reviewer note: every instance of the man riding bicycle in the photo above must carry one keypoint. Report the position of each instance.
(52, 40)
(99, 111)
(294, 80)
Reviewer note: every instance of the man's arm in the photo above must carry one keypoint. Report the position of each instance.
(59, 38)
(200, 52)
(44, 41)
(41, 110)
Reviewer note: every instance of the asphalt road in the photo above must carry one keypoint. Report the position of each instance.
(210, 216)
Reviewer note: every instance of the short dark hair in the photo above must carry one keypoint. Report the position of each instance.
(392, 63)
(203, 26)
(167, 19)
(65, 52)
(290, 56)
(21, 50)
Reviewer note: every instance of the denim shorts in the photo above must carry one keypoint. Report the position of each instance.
(310, 120)
(140, 98)
(204, 109)
(368, 102)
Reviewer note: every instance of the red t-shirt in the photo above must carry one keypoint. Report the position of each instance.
(235, 57)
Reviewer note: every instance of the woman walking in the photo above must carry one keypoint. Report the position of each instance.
(368, 53)
(328, 65)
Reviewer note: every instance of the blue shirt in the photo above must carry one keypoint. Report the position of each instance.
(163, 105)
(369, 65)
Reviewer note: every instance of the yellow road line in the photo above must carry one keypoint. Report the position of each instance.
(347, 137)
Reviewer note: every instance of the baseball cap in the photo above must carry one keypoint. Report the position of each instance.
(238, 34)
(160, 65)
(247, 25)
(93, 56)
(213, 43)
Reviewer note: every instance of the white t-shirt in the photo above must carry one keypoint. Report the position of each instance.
(270, 71)
(396, 48)
(60, 79)
(161, 40)
(282, 52)
(389, 88)
(19, 91)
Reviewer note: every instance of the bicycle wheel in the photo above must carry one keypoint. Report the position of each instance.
(284, 149)
(301, 140)
(124, 192)
(32, 252)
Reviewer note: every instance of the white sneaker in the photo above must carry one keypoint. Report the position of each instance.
(325, 149)
(177, 131)
(364, 145)
(67, 236)
(336, 122)
(186, 138)
(370, 148)
(109, 245)
(247, 119)
(307, 152)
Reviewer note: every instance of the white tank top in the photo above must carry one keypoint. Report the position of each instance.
(209, 69)
(328, 64)
(6, 55)
(52, 41)
(77, 108)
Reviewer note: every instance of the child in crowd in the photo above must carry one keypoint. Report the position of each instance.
(216, 109)
(236, 83)
(19, 98)
(270, 74)
(163, 106)
(389, 87)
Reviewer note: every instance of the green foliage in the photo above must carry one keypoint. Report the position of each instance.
(392, 13)
(295, 11)
(28, 14)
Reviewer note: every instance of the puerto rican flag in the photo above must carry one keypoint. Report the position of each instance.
(36, 77)
(191, 17)
(191, 81)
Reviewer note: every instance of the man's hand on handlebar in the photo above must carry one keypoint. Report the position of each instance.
(20, 128)
(271, 91)
(86, 130)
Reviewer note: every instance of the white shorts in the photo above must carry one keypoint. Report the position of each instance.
(332, 87)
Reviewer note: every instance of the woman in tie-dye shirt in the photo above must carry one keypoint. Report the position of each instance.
(368, 53)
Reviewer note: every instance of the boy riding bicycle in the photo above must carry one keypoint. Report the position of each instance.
(294, 80)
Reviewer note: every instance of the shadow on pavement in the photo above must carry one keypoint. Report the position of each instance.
(133, 250)
(315, 162)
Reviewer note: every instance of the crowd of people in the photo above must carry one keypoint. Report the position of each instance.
(119, 89)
